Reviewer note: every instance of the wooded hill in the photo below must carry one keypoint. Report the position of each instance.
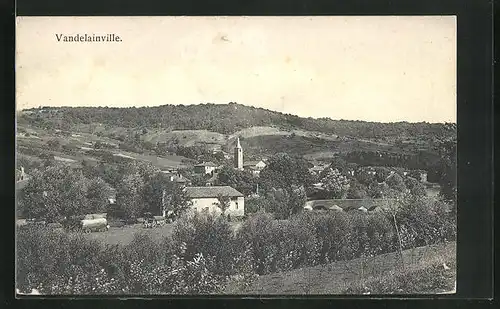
(223, 118)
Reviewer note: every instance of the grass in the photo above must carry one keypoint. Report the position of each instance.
(124, 235)
(350, 277)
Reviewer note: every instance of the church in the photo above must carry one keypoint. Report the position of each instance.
(253, 167)
(238, 156)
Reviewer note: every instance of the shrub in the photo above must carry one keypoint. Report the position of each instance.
(254, 233)
(210, 235)
(278, 245)
(423, 221)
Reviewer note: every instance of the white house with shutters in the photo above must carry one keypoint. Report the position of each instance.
(206, 199)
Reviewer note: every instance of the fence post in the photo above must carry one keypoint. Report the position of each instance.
(399, 239)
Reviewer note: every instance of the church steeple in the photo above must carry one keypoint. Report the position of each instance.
(238, 155)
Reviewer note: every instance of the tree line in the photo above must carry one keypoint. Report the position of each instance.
(57, 192)
(222, 118)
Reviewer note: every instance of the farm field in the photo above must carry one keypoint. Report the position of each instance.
(124, 235)
(334, 278)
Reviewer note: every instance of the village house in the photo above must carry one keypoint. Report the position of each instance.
(170, 169)
(258, 164)
(206, 199)
(318, 168)
(178, 178)
(255, 167)
(205, 168)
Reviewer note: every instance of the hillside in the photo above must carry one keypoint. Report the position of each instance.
(179, 133)
(380, 274)
(220, 118)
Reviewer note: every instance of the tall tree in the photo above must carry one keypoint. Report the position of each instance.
(176, 200)
(153, 193)
(98, 192)
(129, 197)
(448, 180)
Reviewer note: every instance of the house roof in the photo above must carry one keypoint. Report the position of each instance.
(318, 168)
(252, 162)
(176, 177)
(213, 191)
(211, 164)
(347, 204)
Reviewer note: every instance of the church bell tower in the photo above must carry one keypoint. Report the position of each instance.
(238, 156)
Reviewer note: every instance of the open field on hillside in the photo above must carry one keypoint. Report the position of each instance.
(335, 278)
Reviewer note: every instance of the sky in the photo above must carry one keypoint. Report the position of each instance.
(378, 68)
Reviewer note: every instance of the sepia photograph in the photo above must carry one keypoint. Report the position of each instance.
(242, 155)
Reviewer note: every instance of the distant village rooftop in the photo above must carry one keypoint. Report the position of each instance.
(211, 164)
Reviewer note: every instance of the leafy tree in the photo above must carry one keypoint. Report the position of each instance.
(153, 193)
(98, 192)
(284, 171)
(255, 204)
(357, 190)
(176, 200)
(416, 188)
(199, 180)
(129, 196)
(242, 181)
(336, 184)
(54, 193)
(286, 202)
(223, 202)
(396, 182)
(448, 180)
(381, 173)
(363, 176)
(339, 164)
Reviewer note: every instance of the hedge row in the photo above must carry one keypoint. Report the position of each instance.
(204, 252)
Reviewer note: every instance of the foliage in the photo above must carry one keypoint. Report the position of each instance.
(357, 190)
(176, 200)
(396, 182)
(54, 193)
(243, 181)
(153, 193)
(336, 184)
(129, 196)
(283, 171)
(416, 188)
(98, 192)
(448, 180)
(210, 235)
(223, 118)
(223, 202)
(204, 253)
(424, 221)
(254, 204)
(285, 202)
